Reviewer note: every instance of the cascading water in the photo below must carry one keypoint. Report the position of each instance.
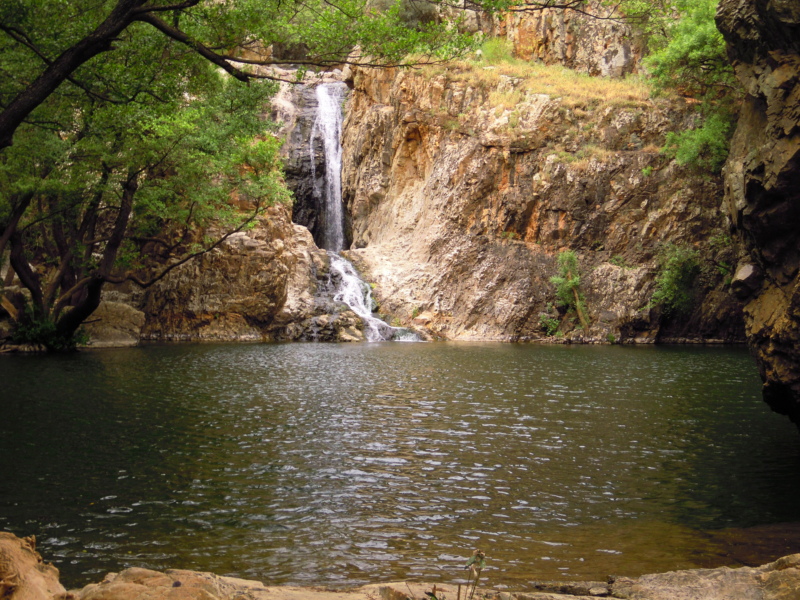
(350, 289)
(328, 127)
(356, 294)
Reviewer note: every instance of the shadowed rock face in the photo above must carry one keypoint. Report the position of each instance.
(296, 109)
(762, 187)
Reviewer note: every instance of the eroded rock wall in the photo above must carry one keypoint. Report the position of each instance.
(594, 40)
(459, 208)
(762, 187)
(268, 283)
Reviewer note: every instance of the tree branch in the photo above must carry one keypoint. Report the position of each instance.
(16, 215)
(163, 273)
(168, 7)
(204, 51)
(100, 40)
(51, 289)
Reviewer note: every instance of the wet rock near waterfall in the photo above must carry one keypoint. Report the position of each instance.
(344, 326)
(298, 165)
(296, 109)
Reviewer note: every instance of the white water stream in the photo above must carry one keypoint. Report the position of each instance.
(328, 127)
(351, 289)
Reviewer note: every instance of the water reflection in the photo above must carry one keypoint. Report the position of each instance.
(345, 464)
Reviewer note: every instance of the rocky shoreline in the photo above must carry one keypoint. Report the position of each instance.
(25, 576)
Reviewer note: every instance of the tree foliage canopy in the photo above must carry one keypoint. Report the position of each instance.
(688, 57)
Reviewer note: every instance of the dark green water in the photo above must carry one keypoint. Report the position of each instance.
(346, 464)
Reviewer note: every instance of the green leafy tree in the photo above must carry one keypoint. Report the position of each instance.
(678, 268)
(688, 57)
(129, 183)
(50, 43)
(694, 63)
(568, 282)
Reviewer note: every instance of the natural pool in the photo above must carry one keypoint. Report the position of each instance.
(347, 464)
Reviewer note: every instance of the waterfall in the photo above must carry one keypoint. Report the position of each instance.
(350, 289)
(328, 127)
(356, 294)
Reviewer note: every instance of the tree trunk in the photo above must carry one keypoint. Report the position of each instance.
(16, 215)
(578, 310)
(26, 275)
(68, 324)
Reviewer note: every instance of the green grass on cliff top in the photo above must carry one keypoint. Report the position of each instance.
(577, 90)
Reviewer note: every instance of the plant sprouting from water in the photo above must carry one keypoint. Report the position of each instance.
(475, 564)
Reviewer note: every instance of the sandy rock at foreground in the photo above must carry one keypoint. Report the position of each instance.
(143, 584)
(779, 580)
(23, 574)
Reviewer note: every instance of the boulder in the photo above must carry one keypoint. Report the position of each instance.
(779, 580)
(114, 325)
(23, 574)
(746, 281)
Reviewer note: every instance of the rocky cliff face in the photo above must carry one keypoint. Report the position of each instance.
(463, 186)
(762, 187)
(579, 40)
(269, 283)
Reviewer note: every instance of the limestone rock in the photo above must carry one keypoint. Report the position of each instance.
(144, 584)
(23, 574)
(762, 195)
(605, 46)
(114, 325)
